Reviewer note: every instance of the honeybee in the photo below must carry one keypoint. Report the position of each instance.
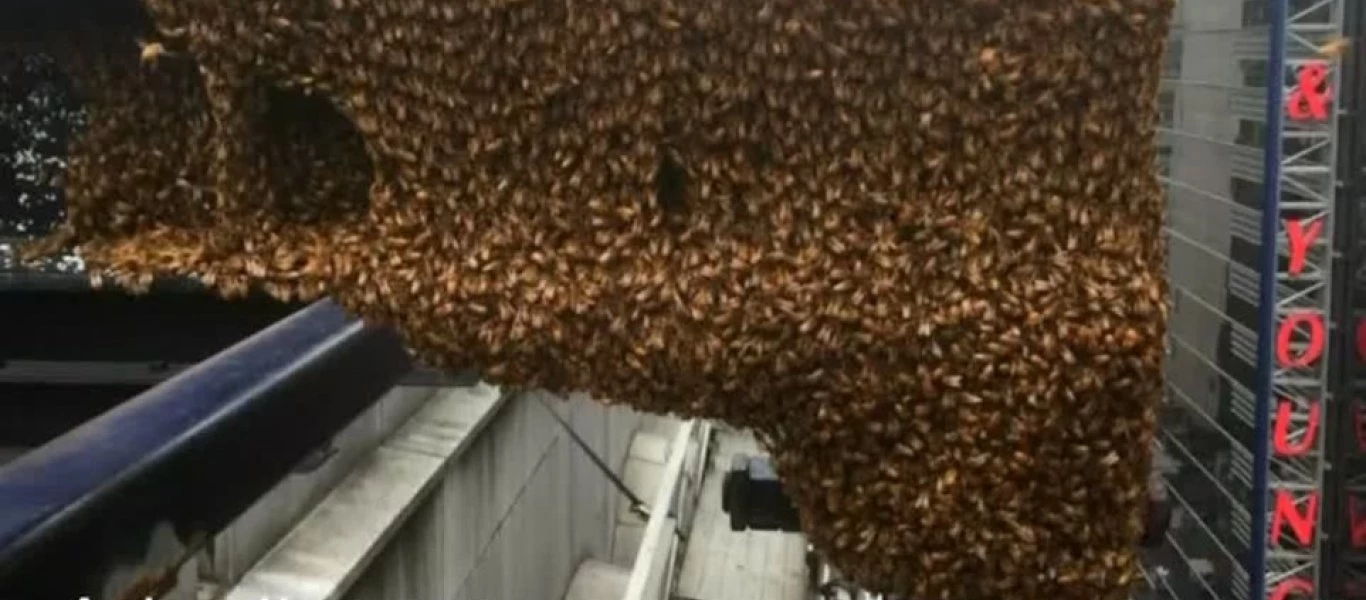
(1334, 48)
(150, 52)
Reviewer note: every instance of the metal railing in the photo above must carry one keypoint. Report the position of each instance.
(179, 462)
(671, 512)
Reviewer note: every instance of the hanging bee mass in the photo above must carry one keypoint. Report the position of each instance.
(914, 244)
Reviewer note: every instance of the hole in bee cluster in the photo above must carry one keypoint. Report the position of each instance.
(318, 167)
(760, 155)
(671, 184)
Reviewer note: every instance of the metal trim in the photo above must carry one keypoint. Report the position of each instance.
(150, 373)
(78, 515)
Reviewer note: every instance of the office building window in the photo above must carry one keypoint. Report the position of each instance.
(1171, 68)
(1255, 13)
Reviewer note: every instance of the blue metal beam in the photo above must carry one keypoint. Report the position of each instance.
(187, 456)
(1266, 306)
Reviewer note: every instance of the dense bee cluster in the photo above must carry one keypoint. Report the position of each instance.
(914, 244)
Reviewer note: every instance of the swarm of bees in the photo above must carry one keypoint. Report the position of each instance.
(914, 245)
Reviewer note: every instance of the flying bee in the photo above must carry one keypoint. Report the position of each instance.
(151, 52)
(1334, 48)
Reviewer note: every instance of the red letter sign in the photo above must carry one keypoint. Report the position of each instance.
(1357, 521)
(1353, 589)
(1300, 240)
(1361, 340)
(1298, 586)
(1312, 93)
(1302, 525)
(1359, 425)
(1281, 435)
(1316, 334)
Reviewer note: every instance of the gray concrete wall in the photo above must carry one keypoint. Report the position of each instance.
(515, 515)
(242, 544)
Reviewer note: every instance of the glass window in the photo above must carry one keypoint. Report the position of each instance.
(1172, 66)
(1255, 13)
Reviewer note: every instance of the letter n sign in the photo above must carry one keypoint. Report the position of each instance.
(1300, 520)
